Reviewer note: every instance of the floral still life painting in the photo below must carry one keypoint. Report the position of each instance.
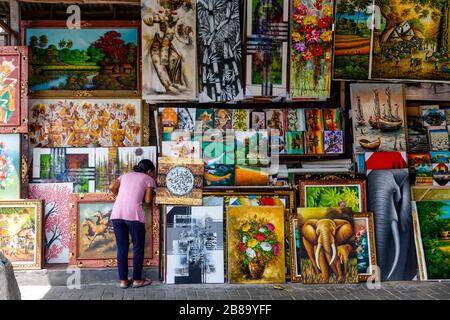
(365, 244)
(256, 244)
(10, 166)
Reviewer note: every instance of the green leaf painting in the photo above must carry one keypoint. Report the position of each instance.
(333, 197)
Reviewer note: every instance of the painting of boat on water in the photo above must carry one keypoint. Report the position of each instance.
(378, 113)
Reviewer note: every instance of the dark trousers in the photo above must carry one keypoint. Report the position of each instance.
(123, 229)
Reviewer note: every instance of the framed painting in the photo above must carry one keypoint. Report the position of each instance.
(333, 193)
(21, 233)
(13, 90)
(438, 138)
(295, 142)
(99, 59)
(386, 160)
(328, 253)
(56, 218)
(241, 119)
(97, 249)
(428, 91)
(181, 149)
(314, 142)
(255, 244)
(311, 49)
(220, 49)
(180, 181)
(352, 40)
(295, 246)
(75, 165)
(333, 142)
(85, 122)
(186, 118)
(169, 50)
(267, 47)
(194, 245)
(218, 175)
(431, 221)
(378, 116)
(366, 254)
(10, 166)
(423, 193)
(223, 119)
(407, 41)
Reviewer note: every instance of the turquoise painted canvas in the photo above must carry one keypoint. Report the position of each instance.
(9, 166)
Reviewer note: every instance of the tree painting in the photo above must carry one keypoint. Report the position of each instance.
(56, 219)
(83, 59)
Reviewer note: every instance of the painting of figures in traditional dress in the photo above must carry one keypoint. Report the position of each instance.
(378, 115)
(169, 55)
(311, 48)
(10, 166)
(411, 41)
(220, 49)
(267, 47)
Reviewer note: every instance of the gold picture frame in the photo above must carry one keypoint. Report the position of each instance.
(368, 219)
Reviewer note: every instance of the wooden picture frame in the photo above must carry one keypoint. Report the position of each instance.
(296, 275)
(333, 182)
(151, 258)
(14, 88)
(425, 193)
(368, 220)
(125, 68)
(19, 238)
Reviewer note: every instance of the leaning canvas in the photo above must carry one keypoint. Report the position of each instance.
(10, 166)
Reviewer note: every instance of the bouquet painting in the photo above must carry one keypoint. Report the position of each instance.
(362, 249)
(311, 48)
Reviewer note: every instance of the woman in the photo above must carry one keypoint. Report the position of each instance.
(128, 218)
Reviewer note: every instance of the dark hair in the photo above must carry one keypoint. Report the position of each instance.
(144, 166)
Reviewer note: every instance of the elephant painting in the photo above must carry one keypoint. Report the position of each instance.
(389, 199)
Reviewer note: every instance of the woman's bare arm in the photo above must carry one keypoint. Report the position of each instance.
(148, 195)
(114, 187)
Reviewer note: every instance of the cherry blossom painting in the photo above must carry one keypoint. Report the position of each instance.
(56, 218)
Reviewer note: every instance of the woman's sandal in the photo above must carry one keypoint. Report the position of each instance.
(145, 283)
(126, 286)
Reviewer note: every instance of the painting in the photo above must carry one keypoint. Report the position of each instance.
(194, 245)
(378, 116)
(419, 193)
(81, 123)
(13, 90)
(169, 50)
(223, 119)
(433, 117)
(313, 118)
(314, 142)
(219, 175)
(241, 119)
(428, 91)
(75, 165)
(220, 49)
(295, 120)
(409, 43)
(432, 236)
(219, 152)
(332, 119)
(386, 160)
(334, 193)
(440, 157)
(365, 245)
(21, 233)
(168, 119)
(275, 121)
(352, 40)
(333, 142)
(295, 243)
(101, 57)
(10, 166)
(267, 47)
(441, 174)
(92, 243)
(295, 143)
(181, 149)
(439, 139)
(424, 174)
(251, 176)
(56, 218)
(204, 120)
(258, 120)
(328, 249)
(110, 163)
(255, 243)
(311, 48)
(247, 147)
(180, 181)
(186, 118)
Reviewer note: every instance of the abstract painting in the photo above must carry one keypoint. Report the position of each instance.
(328, 249)
(365, 245)
(220, 49)
(75, 165)
(13, 90)
(295, 120)
(240, 119)
(332, 119)
(348, 193)
(255, 243)
(10, 166)
(194, 245)
(180, 181)
(186, 118)
(352, 40)
(219, 175)
(311, 48)
(431, 232)
(56, 218)
(100, 56)
(378, 116)
(169, 55)
(333, 142)
(21, 233)
(409, 42)
(439, 139)
(81, 123)
(267, 47)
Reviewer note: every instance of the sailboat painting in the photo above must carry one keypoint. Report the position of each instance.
(378, 111)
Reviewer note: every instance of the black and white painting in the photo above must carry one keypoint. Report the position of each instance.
(194, 247)
(220, 49)
(186, 119)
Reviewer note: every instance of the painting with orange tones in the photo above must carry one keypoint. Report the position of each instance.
(255, 242)
(313, 118)
(332, 119)
(314, 142)
(251, 176)
(169, 119)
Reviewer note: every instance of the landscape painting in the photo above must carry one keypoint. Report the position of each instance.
(378, 116)
(100, 56)
(411, 41)
(10, 166)
(21, 233)
(352, 40)
(255, 244)
(195, 245)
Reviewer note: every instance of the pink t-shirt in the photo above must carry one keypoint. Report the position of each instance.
(128, 205)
